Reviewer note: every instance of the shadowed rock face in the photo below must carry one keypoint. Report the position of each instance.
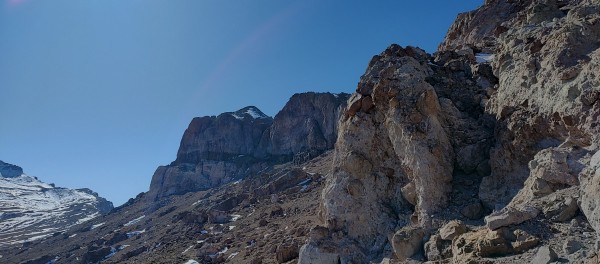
(233, 145)
(224, 136)
(308, 122)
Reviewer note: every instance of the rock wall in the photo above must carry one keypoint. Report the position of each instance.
(308, 122)
(508, 105)
(414, 122)
(219, 149)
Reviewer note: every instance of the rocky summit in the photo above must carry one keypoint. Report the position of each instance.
(486, 151)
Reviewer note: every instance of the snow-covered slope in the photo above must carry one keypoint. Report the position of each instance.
(250, 112)
(31, 209)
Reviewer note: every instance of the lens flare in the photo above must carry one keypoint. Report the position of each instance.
(15, 2)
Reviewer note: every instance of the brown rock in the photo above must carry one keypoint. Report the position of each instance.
(452, 229)
(437, 249)
(524, 241)
(409, 193)
(494, 244)
(510, 216)
(562, 211)
(473, 211)
(407, 242)
(285, 253)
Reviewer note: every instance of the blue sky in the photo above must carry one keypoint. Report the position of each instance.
(98, 93)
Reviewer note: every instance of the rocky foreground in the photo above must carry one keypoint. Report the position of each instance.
(484, 152)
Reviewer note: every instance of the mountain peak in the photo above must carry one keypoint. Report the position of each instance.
(249, 111)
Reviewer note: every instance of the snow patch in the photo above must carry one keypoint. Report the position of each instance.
(191, 261)
(97, 225)
(254, 113)
(134, 221)
(237, 116)
(187, 249)
(235, 217)
(113, 251)
(135, 233)
(232, 255)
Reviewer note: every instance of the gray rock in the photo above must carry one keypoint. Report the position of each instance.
(510, 216)
(562, 211)
(544, 255)
(309, 254)
(571, 246)
(437, 248)
(452, 229)
(407, 242)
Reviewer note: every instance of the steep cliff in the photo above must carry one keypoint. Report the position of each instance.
(233, 145)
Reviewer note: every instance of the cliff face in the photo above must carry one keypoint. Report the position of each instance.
(502, 121)
(308, 122)
(216, 150)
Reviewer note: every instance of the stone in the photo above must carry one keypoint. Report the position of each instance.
(524, 241)
(262, 222)
(452, 229)
(407, 242)
(590, 191)
(571, 246)
(562, 211)
(494, 244)
(286, 252)
(473, 211)
(544, 255)
(310, 254)
(437, 248)
(510, 216)
(409, 193)
(407, 126)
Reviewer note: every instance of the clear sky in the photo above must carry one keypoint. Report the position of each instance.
(97, 93)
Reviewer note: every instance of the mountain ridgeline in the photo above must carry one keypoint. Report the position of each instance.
(218, 149)
(487, 151)
(31, 209)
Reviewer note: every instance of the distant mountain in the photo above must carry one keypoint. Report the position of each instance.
(215, 150)
(31, 209)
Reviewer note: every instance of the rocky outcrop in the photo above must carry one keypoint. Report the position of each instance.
(213, 150)
(509, 104)
(8, 170)
(410, 126)
(218, 149)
